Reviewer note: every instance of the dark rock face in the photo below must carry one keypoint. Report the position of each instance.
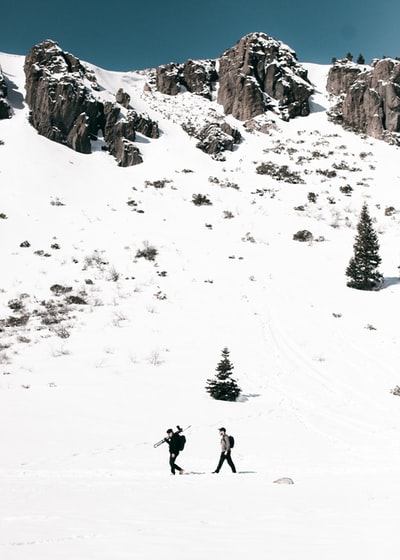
(199, 77)
(65, 110)
(195, 76)
(120, 133)
(5, 109)
(371, 103)
(256, 75)
(216, 138)
(168, 78)
(260, 73)
(341, 76)
(123, 98)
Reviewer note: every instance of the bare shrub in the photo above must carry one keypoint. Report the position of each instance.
(118, 318)
(159, 184)
(149, 252)
(201, 200)
(303, 235)
(154, 358)
(62, 332)
(95, 260)
(113, 275)
(59, 290)
(20, 321)
(279, 172)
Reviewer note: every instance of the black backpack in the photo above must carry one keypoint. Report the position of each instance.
(231, 441)
(181, 442)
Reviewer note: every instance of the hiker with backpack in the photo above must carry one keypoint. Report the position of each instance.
(176, 443)
(227, 443)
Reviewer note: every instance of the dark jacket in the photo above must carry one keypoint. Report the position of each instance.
(173, 443)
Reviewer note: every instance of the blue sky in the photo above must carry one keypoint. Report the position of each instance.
(128, 34)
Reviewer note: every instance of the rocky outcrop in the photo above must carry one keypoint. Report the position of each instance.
(168, 78)
(120, 133)
(371, 103)
(260, 73)
(215, 138)
(123, 98)
(63, 107)
(341, 76)
(5, 109)
(256, 75)
(195, 76)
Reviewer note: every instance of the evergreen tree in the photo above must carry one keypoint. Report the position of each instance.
(362, 270)
(349, 56)
(360, 59)
(223, 387)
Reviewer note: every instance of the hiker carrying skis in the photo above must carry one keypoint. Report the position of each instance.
(173, 440)
(225, 452)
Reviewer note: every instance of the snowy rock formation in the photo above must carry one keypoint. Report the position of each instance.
(60, 92)
(257, 75)
(369, 98)
(195, 76)
(260, 73)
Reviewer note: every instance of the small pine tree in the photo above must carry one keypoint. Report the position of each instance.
(223, 387)
(362, 270)
(360, 59)
(349, 56)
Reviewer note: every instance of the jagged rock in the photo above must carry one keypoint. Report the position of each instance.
(341, 76)
(127, 154)
(196, 76)
(261, 123)
(5, 109)
(214, 140)
(168, 78)
(65, 110)
(371, 103)
(57, 96)
(79, 136)
(144, 124)
(120, 132)
(234, 132)
(261, 73)
(123, 98)
(199, 77)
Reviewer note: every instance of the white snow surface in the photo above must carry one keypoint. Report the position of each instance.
(83, 401)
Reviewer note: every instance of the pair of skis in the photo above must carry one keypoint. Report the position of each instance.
(179, 429)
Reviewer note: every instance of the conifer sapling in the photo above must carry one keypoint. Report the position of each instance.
(223, 387)
(362, 270)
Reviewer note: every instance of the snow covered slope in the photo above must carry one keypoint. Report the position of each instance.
(86, 389)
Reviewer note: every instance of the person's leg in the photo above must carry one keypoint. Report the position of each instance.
(221, 462)
(230, 462)
(173, 465)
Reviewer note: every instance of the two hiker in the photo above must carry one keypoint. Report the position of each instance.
(175, 446)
